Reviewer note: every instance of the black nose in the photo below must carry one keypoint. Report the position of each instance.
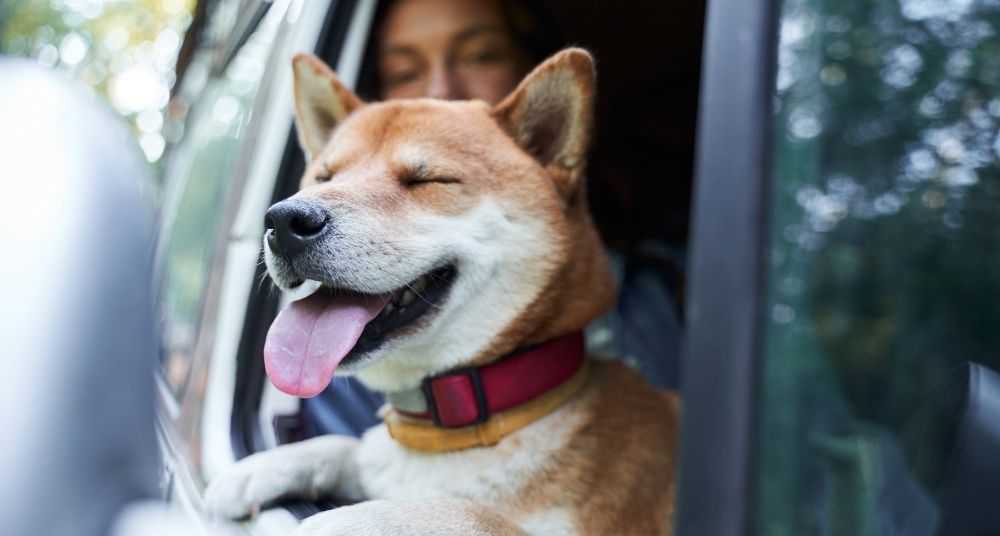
(293, 225)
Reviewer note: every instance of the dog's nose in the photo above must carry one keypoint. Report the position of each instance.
(293, 225)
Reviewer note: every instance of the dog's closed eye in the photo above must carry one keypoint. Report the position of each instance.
(412, 181)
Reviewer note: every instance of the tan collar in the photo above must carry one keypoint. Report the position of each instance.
(420, 434)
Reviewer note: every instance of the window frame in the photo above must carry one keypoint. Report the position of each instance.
(177, 176)
(246, 23)
(727, 268)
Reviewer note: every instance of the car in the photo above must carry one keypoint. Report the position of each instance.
(838, 276)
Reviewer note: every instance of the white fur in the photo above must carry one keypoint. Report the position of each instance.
(486, 475)
(399, 478)
(550, 522)
(501, 256)
(439, 517)
(501, 264)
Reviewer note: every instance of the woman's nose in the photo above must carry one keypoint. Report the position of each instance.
(443, 84)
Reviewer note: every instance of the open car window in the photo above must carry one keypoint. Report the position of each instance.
(880, 316)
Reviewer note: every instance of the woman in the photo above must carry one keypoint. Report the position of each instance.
(481, 49)
(455, 49)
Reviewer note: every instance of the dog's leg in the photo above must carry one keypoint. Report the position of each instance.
(318, 467)
(431, 517)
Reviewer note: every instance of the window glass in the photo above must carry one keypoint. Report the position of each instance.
(884, 271)
(205, 163)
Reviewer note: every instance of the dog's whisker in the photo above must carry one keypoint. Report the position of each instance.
(261, 281)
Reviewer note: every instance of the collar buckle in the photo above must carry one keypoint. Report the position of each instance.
(427, 386)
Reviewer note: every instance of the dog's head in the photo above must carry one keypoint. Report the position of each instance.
(443, 233)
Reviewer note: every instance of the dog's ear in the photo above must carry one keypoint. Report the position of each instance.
(550, 114)
(321, 102)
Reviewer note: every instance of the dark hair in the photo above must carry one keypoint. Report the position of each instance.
(531, 27)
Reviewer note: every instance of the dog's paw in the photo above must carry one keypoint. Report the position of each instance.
(302, 470)
(254, 482)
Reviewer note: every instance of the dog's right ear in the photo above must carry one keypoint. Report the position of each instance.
(550, 115)
(321, 102)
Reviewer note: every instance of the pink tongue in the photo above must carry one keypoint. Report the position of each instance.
(311, 336)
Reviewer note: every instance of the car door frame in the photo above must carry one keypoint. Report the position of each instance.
(727, 268)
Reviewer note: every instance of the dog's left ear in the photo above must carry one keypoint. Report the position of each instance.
(550, 114)
(321, 102)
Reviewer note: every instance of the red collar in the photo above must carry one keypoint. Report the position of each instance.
(470, 395)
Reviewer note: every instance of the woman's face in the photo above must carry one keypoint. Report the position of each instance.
(448, 49)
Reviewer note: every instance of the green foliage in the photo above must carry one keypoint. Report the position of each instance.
(126, 50)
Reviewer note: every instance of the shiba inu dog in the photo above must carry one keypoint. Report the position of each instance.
(458, 265)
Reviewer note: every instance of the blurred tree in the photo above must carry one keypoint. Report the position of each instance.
(885, 273)
(126, 50)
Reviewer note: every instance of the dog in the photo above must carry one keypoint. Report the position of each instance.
(458, 265)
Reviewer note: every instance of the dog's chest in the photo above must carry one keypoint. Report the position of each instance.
(487, 475)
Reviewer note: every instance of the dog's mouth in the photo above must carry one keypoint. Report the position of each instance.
(312, 336)
(406, 306)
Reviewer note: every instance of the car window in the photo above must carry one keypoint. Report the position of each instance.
(884, 270)
(204, 167)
